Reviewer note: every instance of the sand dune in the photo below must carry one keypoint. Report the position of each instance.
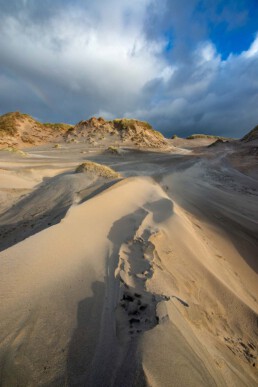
(147, 280)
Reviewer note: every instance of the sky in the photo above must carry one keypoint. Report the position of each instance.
(185, 66)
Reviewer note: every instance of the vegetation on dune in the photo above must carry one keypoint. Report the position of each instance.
(97, 170)
(157, 134)
(127, 123)
(25, 137)
(28, 130)
(174, 136)
(58, 126)
(252, 135)
(194, 136)
(14, 150)
(113, 150)
(128, 130)
(219, 141)
(16, 115)
(8, 124)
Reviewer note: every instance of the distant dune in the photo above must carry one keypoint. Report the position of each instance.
(17, 129)
(207, 136)
(126, 131)
(251, 136)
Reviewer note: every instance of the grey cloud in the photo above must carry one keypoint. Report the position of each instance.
(75, 74)
(67, 60)
(212, 97)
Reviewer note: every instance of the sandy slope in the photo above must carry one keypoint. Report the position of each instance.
(148, 281)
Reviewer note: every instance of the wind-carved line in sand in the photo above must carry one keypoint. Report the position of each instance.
(136, 309)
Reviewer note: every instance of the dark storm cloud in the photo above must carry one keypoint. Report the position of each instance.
(211, 95)
(67, 60)
(71, 65)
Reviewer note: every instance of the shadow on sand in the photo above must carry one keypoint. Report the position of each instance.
(44, 207)
(85, 338)
(96, 357)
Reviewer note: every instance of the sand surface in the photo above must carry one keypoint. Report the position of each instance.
(147, 280)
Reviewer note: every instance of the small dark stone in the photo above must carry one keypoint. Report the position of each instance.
(133, 313)
(134, 321)
(128, 297)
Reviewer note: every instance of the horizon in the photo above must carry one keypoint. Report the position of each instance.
(185, 68)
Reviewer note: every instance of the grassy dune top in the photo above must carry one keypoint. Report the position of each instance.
(113, 150)
(14, 150)
(126, 123)
(97, 169)
(8, 122)
(194, 136)
(252, 135)
(57, 126)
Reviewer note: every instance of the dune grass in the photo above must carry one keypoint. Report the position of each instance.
(113, 150)
(97, 170)
(58, 126)
(252, 135)
(8, 122)
(208, 136)
(14, 150)
(127, 123)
